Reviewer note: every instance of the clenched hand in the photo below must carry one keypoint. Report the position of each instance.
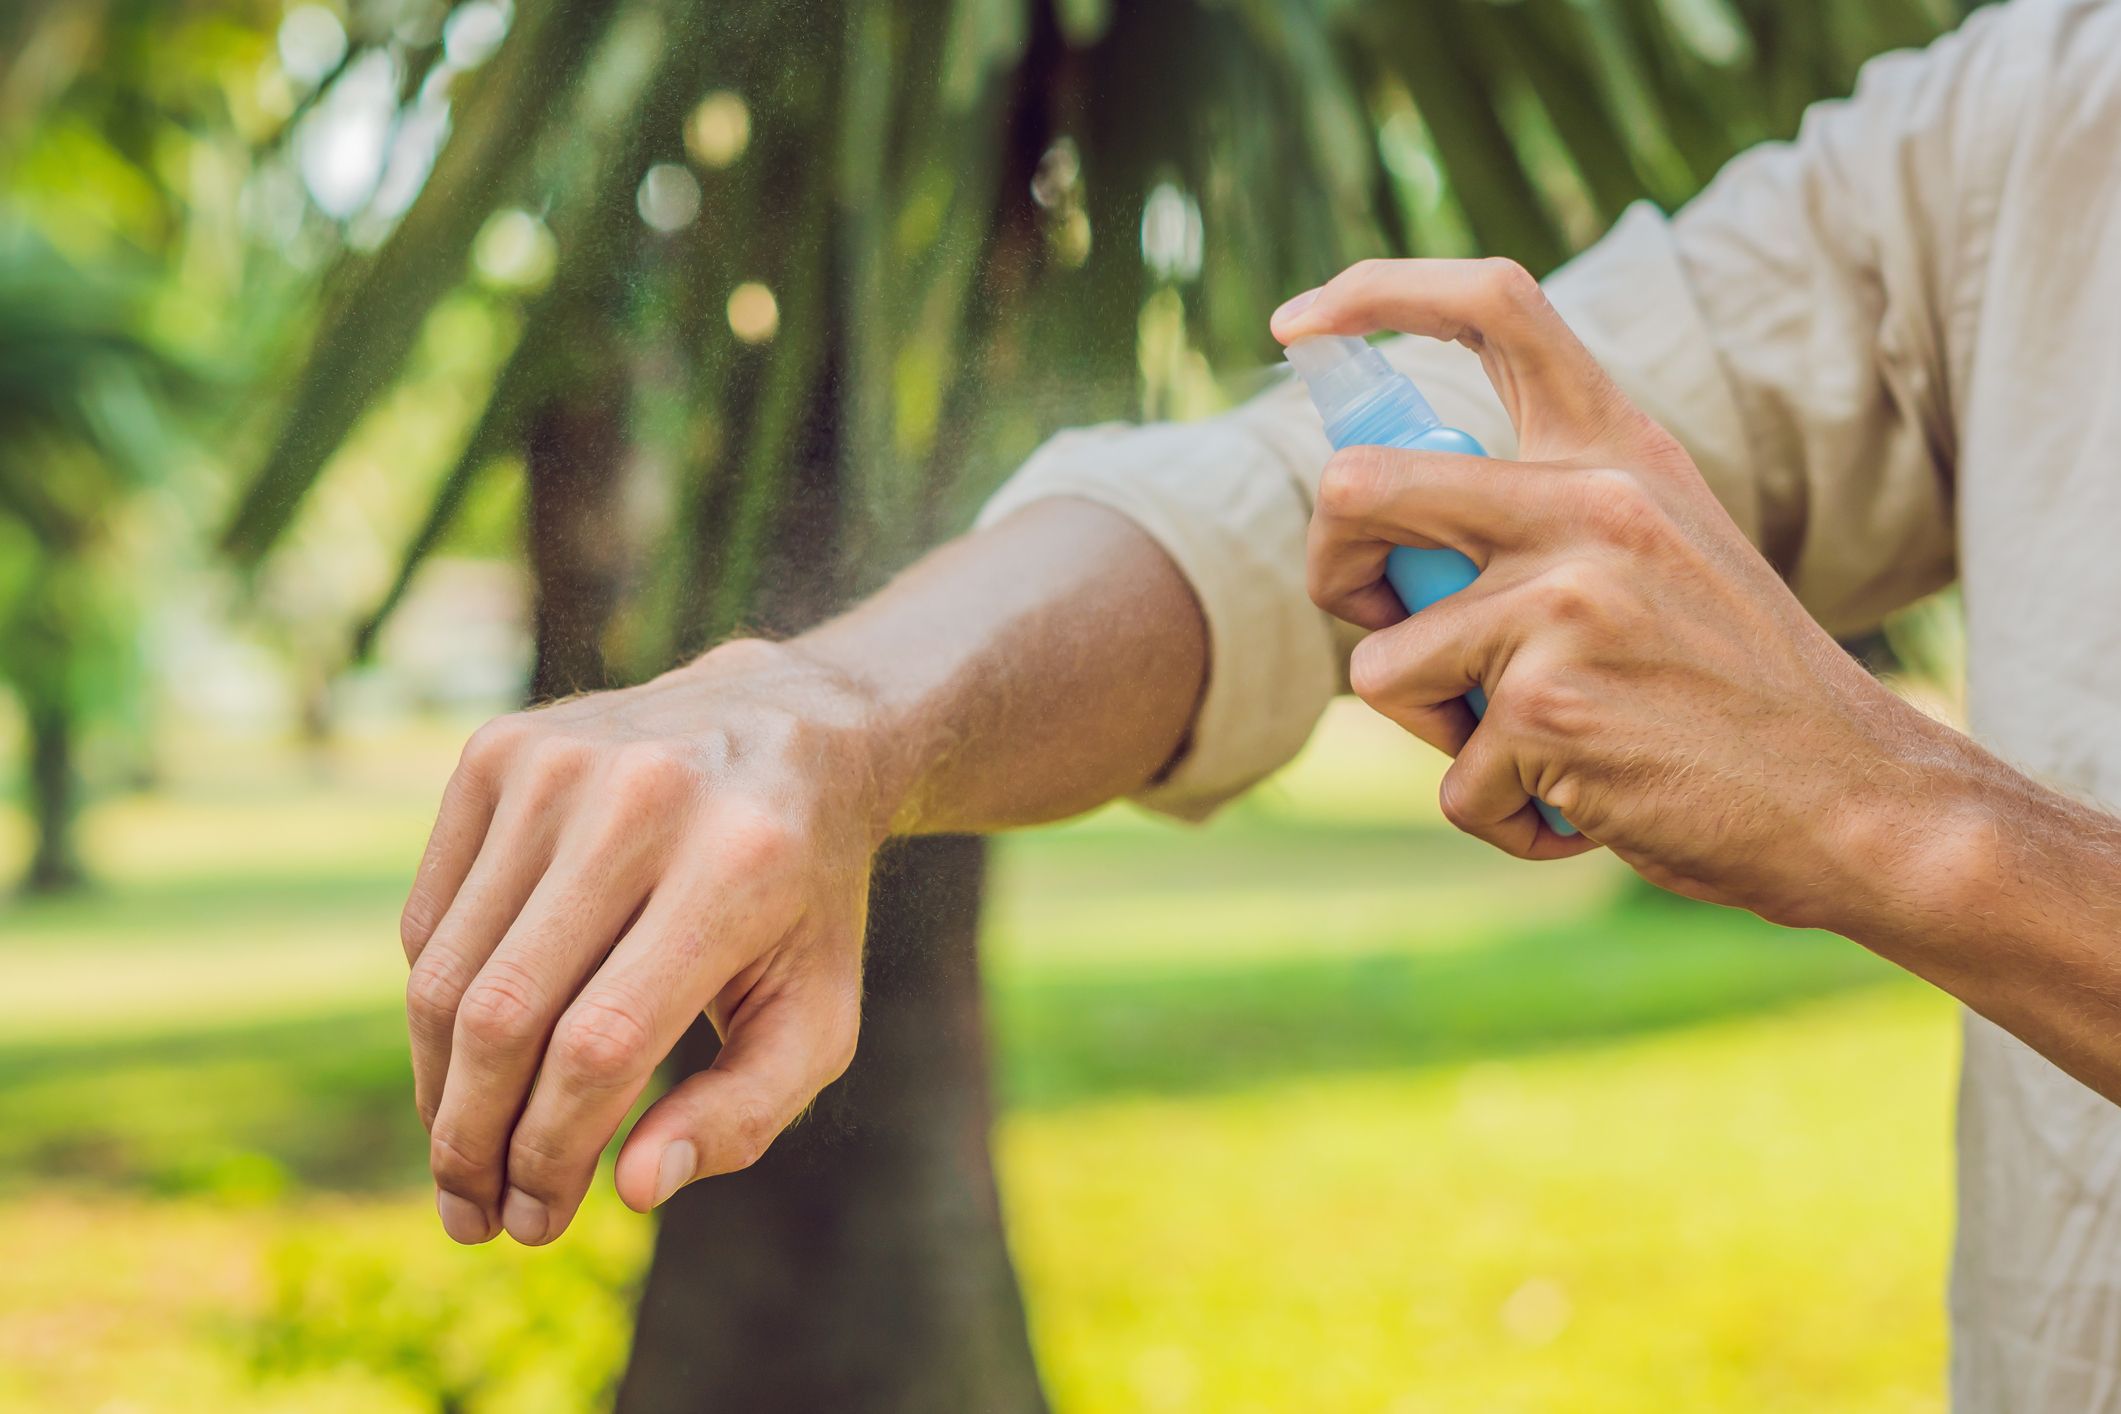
(1647, 672)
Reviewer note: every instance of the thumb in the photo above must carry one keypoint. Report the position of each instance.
(781, 1050)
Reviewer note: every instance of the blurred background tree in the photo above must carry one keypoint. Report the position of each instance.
(84, 432)
(739, 304)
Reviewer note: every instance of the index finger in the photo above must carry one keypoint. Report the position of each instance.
(693, 937)
(461, 823)
(1371, 499)
(1560, 400)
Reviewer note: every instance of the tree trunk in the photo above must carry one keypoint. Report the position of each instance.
(574, 464)
(54, 867)
(860, 1266)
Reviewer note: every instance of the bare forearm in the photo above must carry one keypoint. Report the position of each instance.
(2008, 895)
(1024, 673)
(604, 869)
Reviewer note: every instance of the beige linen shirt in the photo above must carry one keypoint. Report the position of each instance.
(1894, 348)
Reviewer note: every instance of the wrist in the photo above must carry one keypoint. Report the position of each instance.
(853, 744)
(1921, 852)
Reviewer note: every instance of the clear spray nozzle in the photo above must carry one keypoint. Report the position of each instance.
(1344, 373)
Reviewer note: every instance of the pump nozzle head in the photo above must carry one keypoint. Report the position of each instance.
(1344, 373)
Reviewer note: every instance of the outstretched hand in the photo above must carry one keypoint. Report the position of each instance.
(1647, 672)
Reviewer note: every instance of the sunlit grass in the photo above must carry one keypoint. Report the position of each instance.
(1321, 1107)
(1746, 1216)
(304, 1302)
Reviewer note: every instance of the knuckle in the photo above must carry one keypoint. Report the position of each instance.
(1370, 669)
(650, 773)
(539, 1163)
(1319, 589)
(602, 1043)
(416, 924)
(1549, 706)
(1504, 282)
(757, 842)
(1659, 449)
(500, 1010)
(431, 994)
(453, 1166)
(752, 1129)
(1318, 582)
(1364, 274)
(496, 743)
(1353, 483)
(1454, 799)
(1573, 593)
(1621, 510)
(553, 760)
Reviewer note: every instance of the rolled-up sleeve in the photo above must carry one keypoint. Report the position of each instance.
(1230, 511)
(1789, 326)
(1229, 498)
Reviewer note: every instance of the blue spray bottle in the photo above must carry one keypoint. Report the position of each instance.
(1368, 403)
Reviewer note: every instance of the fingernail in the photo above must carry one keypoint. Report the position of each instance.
(680, 1162)
(525, 1217)
(461, 1218)
(1293, 307)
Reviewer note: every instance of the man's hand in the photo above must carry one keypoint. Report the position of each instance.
(601, 871)
(605, 869)
(1647, 672)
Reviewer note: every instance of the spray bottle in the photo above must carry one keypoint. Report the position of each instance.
(1368, 403)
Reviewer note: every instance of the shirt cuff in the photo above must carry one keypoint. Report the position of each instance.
(1232, 517)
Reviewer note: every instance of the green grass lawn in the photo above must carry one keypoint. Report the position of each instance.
(1320, 1107)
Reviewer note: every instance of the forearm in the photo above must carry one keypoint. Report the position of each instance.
(1023, 673)
(605, 868)
(2008, 895)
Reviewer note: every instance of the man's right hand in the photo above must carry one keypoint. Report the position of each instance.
(601, 872)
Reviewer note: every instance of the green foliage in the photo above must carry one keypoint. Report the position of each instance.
(961, 209)
(377, 305)
(536, 1331)
(77, 395)
(970, 221)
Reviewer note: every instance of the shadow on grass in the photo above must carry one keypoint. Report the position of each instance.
(1648, 963)
(325, 1102)
(144, 915)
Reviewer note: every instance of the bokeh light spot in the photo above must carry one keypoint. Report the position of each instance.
(719, 129)
(754, 315)
(311, 43)
(669, 197)
(344, 142)
(1171, 233)
(514, 250)
(473, 32)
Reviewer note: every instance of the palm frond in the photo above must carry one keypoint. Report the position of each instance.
(373, 318)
